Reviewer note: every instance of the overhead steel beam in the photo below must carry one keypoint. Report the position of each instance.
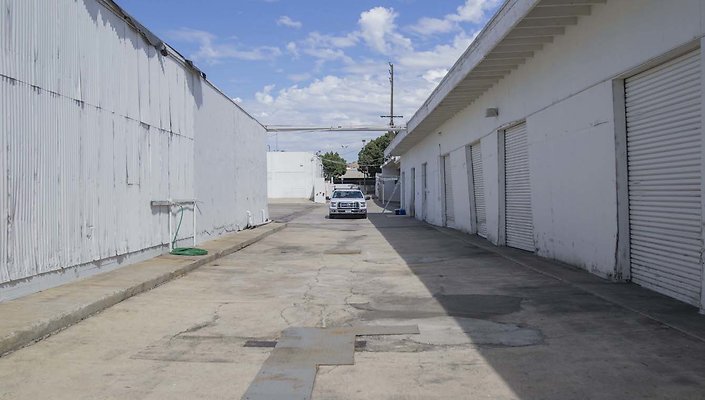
(282, 128)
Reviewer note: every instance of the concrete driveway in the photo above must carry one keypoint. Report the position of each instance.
(492, 325)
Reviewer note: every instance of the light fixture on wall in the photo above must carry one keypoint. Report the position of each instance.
(491, 112)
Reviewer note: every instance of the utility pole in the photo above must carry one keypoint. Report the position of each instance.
(391, 115)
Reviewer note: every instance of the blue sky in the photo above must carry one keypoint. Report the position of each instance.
(311, 62)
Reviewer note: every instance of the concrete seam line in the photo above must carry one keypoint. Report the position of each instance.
(36, 333)
(569, 283)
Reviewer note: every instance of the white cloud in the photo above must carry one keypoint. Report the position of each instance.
(435, 75)
(358, 97)
(324, 48)
(264, 96)
(299, 77)
(317, 39)
(473, 11)
(211, 52)
(327, 54)
(356, 92)
(379, 31)
(429, 26)
(376, 29)
(359, 93)
(441, 56)
(237, 99)
(285, 20)
(293, 49)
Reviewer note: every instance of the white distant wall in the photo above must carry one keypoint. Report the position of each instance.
(388, 185)
(564, 93)
(94, 124)
(293, 175)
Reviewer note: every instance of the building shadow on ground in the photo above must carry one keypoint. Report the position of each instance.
(545, 338)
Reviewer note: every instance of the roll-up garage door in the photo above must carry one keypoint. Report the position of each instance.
(448, 192)
(519, 222)
(478, 184)
(664, 160)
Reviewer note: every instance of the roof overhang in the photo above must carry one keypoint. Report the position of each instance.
(518, 30)
(392, 162)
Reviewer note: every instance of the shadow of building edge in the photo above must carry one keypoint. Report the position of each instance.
(620, 298)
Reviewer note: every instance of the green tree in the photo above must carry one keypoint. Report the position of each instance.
(371, 157)
(334, 166)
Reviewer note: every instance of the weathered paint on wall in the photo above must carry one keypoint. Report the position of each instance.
(564, 95)
(570, 209)
(95, 124)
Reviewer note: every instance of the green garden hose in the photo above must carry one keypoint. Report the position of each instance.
(185, 251)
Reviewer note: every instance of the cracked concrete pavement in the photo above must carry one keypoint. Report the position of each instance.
(489, 327)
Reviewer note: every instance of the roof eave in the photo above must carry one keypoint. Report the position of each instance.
(511, 37)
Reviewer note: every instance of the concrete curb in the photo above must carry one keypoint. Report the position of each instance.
(37, 329)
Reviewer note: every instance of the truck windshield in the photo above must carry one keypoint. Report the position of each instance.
(347, 195)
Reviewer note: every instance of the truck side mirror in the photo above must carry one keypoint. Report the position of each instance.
(327, 197)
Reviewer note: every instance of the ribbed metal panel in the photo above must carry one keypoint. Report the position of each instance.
(237, 175)
(478, 184)
(448, 189)
(664, 164)
(95, 124)
(518, 216)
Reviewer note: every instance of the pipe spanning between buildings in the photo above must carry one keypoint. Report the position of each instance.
(284, 128)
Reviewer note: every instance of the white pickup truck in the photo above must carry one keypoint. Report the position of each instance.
(347, 202)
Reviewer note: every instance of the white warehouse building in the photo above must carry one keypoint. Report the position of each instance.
(573, 129)
(294, 175)
(99, 119)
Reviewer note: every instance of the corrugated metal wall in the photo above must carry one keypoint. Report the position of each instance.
(231, 166)
(96, 124)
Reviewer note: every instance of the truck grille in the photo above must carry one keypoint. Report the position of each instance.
(348, 204)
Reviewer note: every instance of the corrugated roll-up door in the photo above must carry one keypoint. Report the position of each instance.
(664, 161)
(448, 192)
(478, 184)
(519, 222)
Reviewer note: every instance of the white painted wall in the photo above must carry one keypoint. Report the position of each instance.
(573, 181)
(489, 146)
(293, 175)
(564, 94)
(388, 185)
(388, 188)
(461, 202)
(94, 124)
